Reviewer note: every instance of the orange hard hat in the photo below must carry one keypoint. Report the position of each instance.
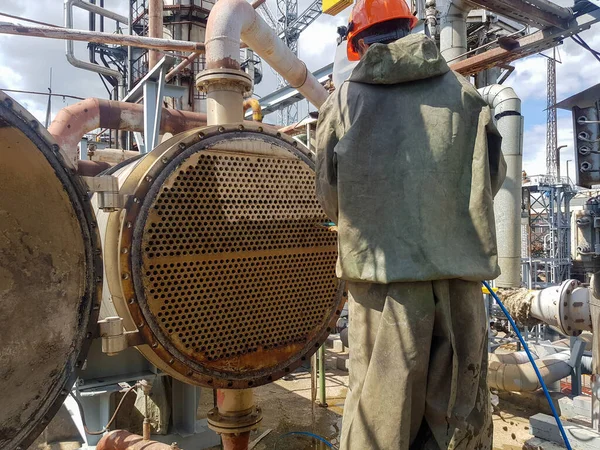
(367, 13)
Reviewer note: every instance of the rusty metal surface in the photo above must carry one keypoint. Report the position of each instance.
(124, 440)
(74, 121)
(525, 46)
(236, 441)
(236, 282)
(100, 37)
(50, 276)
(91, 168)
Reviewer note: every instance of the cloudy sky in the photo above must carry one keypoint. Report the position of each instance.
(25, 64)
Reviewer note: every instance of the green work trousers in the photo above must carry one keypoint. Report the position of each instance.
(418, 367)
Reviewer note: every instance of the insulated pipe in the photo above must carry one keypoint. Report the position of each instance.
(74, 121)
(566, 307)
(155, 28)
(506, 108)
(99, 37)
(522, 377)
(510, 358)
(229, 21)
(124, 440)
(453, 34)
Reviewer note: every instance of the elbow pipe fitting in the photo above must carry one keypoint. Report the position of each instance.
(231, 20)
(254, 104)
(74, 121)
(502, 99)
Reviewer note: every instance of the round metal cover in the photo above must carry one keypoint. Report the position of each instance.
(228, 259)
(49, 292)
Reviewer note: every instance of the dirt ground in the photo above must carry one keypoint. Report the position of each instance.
(287, 406)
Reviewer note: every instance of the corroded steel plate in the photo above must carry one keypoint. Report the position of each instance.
(231, 268)
(50, 277)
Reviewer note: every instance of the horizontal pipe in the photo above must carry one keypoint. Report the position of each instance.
(91, 168)
(565, 307)
(182, 65)
(511, 358)
(522, 377)
(74, 121)
(100, 38)
(100, 11)
(124, 440)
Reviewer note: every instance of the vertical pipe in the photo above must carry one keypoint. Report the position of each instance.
(92, 27)
(313, 378)
(102, 17)
(236, 406)
(596, 402)
(506, 109)
(155, 28)
(322, 386)
(224, 105)
(453, 34)
(83, 149)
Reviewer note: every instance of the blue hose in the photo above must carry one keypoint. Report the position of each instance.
(307, 433)
(537, 372)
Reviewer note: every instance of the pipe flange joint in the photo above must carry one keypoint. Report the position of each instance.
(565, 318)
(224, 79)
(234, 424)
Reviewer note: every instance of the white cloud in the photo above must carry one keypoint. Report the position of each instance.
(577, 72)
(534, 147)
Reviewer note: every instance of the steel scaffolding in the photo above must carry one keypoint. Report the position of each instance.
(547, 228)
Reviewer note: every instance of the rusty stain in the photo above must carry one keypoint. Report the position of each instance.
(70, 123)
(224, 63)
(236, 441)
(124, 440)
(255, 361)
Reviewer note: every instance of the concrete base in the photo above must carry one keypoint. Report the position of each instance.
(580, 437)
(335, 343)
(343, 362)
(576, 408)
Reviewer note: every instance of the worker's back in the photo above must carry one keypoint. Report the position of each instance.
(409, 162)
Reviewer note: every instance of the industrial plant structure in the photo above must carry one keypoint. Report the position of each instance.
(168, 240)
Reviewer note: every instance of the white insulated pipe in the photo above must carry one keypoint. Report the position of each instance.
(230, 21)
(506, 109)
(522, 377)
(453, 33)
(567, 307)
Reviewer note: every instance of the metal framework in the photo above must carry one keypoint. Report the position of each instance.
(181, 19)
(552, 152)
(287, 12)
(547, 230)
(288, 25)
(528, 45)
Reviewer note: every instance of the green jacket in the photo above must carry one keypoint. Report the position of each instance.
(408, 163)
